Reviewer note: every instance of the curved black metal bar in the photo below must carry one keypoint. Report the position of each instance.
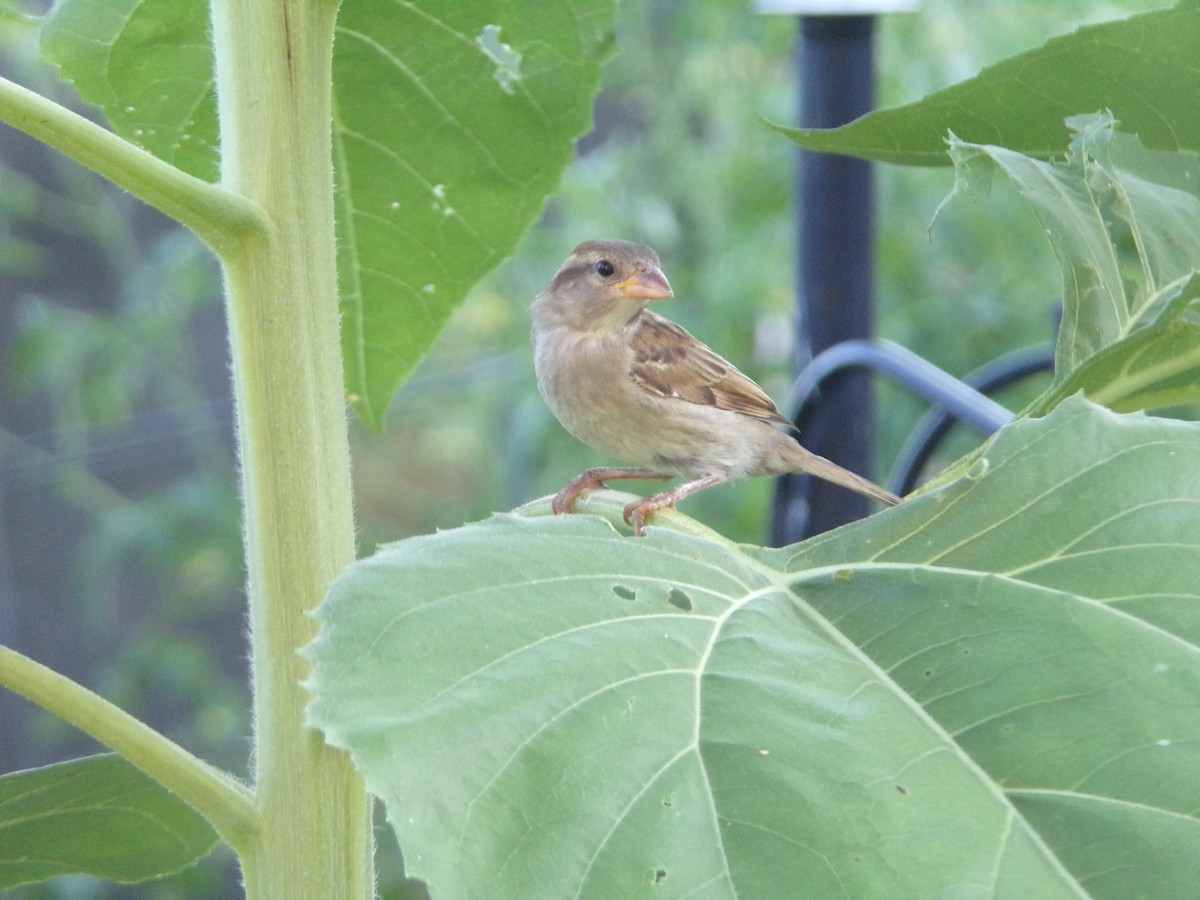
(918, 375)
(937, 422)
(792, 511)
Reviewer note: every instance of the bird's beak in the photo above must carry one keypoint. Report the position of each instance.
(647, 283)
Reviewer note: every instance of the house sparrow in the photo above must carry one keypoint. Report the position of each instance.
(637, 387)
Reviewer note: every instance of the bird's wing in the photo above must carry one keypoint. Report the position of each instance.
(669, 362)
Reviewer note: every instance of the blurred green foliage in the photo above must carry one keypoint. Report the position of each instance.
(122, 359)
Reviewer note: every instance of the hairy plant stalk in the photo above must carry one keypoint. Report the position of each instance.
(273, 66)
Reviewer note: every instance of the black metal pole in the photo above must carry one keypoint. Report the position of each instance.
(836, 239)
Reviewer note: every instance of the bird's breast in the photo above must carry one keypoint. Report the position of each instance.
(586, 385)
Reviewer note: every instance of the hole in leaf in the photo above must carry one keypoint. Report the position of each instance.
(680, 600)
(507, 60)
(624, 593)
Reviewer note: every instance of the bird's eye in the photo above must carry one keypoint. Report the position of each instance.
(604, 268)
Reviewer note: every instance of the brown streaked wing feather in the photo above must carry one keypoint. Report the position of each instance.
(671, 363)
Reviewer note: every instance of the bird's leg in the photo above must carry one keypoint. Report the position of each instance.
(593, 479)
(636, 512)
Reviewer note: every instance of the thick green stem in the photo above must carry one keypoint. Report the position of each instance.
(273, 65)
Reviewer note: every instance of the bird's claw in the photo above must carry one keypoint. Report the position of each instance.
(635, 516)
(564, 500)
(636, 512)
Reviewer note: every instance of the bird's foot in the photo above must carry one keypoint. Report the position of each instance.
(595, 479)
(636, 512)
(564, 500)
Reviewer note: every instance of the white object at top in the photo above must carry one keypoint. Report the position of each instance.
(835, 7)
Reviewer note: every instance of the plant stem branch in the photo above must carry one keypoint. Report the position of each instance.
(222, 800)
(218, 216)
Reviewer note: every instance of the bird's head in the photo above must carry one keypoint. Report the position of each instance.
(602, 286)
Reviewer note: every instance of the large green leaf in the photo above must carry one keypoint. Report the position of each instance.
(94, 816)
(453, 122)
(149, 65)
(1142, 68)
(1128, 240)
(451, 130)
(1153, 366)
(987, 691)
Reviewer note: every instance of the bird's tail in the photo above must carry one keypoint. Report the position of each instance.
(820, 467)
